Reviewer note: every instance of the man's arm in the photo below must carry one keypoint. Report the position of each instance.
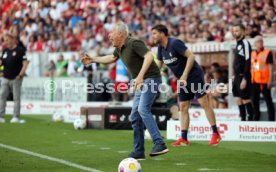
(140, 48)
(247, 55)
(104, 59)
(86, 59)
(190, 62)
(270, 67)
(148, 58)
(246, 72)
(180, 47)
(159, 63)
(24, 68)
(269, 61)
(25, 62)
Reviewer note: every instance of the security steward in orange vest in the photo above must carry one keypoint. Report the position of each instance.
(261, 76)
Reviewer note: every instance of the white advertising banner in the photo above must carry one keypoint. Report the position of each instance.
(57, 89)
(221, 114)
(70, 89)
(229, 130)
(34, 89)
(69, 110)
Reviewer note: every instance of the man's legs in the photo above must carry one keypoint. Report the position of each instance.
(246, 96)
(199, 88)
(256, 101)
(237, 95)
(147, 98)
(4, 92)
(268, 99)
(210, 114)
(241, 108)
(249, 108)
(184, 124)
(144, 108)
(16, 89)
(184, 115)
(185, 95)
(138, 127)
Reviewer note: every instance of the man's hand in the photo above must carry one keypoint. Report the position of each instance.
(243, 84)
(18, 77)
(138, 82)
(85, 59)
(183, 80)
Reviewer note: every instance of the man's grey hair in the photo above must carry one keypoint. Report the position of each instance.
(258, 38)
(122, 27)
(8, 34)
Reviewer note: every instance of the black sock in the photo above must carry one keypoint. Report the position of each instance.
(242, 112)
(215, 129)
(184, 134)
(250, 111)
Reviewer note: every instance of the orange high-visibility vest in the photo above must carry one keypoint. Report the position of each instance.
(259, 68)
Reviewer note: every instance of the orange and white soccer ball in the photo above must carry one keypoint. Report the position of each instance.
(129, 165)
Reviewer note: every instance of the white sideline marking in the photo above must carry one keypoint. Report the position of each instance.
(158, 159)
(79, 142)
(122, 152)
(206, 169)
(61, 161)
(105, 148)
(180, 164)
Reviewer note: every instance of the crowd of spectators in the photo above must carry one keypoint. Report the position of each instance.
(73, 25)
(70, 25)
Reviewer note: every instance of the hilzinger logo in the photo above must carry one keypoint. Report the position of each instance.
(196, 114)
(199, 129)
(222, 128)
(256, 129)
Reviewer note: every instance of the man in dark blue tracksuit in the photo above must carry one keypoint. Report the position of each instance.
(181, 61)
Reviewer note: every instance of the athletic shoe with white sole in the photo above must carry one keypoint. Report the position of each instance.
(159, 149)
(17, 120)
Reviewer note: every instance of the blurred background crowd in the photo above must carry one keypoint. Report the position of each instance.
(70, 25)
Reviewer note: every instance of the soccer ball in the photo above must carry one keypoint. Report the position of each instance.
(79, 124)
(58, 116)
(129, 165)
(147, 135)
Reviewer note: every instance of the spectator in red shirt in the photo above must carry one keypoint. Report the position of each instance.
(39, 44)
(74, 44)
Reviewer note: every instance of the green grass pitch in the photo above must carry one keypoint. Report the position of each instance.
(104, 149)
